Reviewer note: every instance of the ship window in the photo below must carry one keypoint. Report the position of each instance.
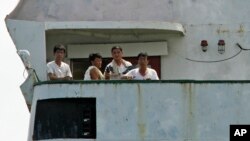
(79, 66)
(65, 118)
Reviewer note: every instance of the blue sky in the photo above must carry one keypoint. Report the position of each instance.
(14, 115)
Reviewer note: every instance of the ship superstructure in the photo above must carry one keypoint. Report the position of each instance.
(198, 48)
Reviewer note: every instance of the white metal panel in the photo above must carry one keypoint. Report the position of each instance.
(176, 66)
(185, 11)
(221, 23)
(30, 35)
(129, 49)
(158, 111)
(157, 25)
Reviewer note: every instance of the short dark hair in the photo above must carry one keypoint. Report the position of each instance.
(116, 47)
(59, 47)
(92, 56)
(142, 54)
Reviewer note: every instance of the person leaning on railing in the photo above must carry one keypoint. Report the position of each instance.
(93, 72)
(57, 69)
(143, 72)
(118, 66)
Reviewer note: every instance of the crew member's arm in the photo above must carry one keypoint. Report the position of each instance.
(127, 76)
(52, 76)
(155, 76)
(68, 74)
(94, 74)
(50, 71)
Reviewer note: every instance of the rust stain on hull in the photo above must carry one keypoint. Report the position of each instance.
(190, 117)
(241, 29)
(140, 114)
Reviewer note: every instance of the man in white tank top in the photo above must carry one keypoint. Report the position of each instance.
(93, 72)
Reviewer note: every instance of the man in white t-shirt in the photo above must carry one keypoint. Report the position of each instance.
(143, 72)
(93, 72)
(57, 69)
(118, 66)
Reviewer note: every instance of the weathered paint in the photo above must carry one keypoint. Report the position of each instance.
(140, 111)
(184, 110)
(30, 35)
(52, 23)
(158, 111)
(186, 11)
(27, 87)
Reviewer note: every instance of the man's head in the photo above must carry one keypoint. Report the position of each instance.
(142, 59)
(59, 52)
(117, 53)
(95, 59)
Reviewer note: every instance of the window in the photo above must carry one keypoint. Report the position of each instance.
(65, 118)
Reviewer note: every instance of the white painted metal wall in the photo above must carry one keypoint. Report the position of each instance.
(158, 111)
(182, 11)
(184, 111)
(129, 49)
(202, 20)
(30, 35)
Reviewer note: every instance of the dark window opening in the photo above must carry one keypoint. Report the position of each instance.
(65, 118)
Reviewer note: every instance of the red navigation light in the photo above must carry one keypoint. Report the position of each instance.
(204, 45)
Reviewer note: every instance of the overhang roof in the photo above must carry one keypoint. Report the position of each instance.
(119, 27)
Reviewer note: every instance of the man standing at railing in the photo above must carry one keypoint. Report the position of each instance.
(93, 72)
(143, 72)
(57, 69)
(118, 66)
